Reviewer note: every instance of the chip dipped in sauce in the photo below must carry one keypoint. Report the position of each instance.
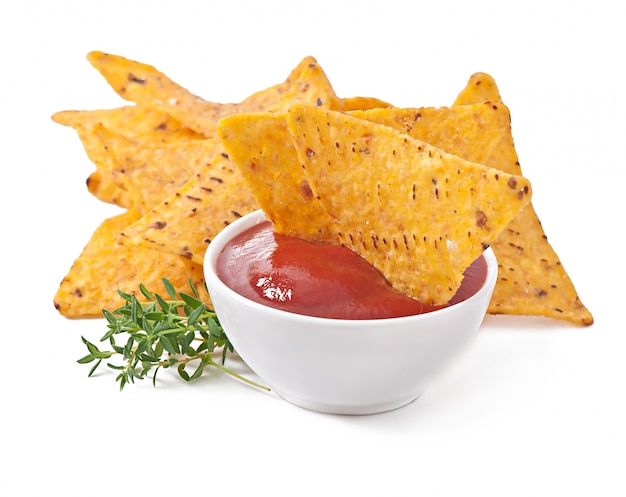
(328, 281)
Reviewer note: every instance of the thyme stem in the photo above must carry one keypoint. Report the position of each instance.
(159, 333)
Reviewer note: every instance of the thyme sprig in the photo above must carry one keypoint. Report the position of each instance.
(180, 331)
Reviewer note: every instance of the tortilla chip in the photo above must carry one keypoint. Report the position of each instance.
(469, 131)
(307, 83)
(362, 103)
(417, 213)
(140, 172)
(481, 87)
(105, 267)
(161, 160)
(96, 140)
(135, 122)
(531, 279)
(103, 187)
(186, 221)
(152, 171)
(145, 85)
(260, 145)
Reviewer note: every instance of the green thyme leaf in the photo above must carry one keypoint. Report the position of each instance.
(157, 333)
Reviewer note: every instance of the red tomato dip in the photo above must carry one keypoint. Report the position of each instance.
(320, 280)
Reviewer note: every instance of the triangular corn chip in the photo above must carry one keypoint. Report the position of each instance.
(469, 131)
(135, 122)
(260, 145)
(362, 103)
(417, 213)
(139, 173)
(186, 221)
(162, 160)
(145, 85)
(153, 171)
(531, 278)
(103, 187)
(306, 83)
(104, 267)
(481, 87)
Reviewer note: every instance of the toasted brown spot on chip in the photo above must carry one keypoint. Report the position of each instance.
(305, 190)
(481, 219)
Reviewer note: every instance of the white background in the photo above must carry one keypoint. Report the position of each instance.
(534, 407)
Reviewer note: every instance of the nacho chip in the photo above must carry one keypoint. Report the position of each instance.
(96, 140)
(146, 162)
(104, 188)
(160, 170)
(418, 214)
(531, 279)
(307, 83)
(362, 103)
(104, 267)
(151, 171)
(260, 145)
(186, 221)
(469, 131)
(139, 172)
(481, 87)
(145, 85)
(132, 121)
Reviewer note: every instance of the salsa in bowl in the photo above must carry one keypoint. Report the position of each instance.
(357, 361)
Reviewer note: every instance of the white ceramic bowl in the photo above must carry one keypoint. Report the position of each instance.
(342, 366)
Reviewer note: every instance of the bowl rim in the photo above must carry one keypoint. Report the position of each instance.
(258, 216)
